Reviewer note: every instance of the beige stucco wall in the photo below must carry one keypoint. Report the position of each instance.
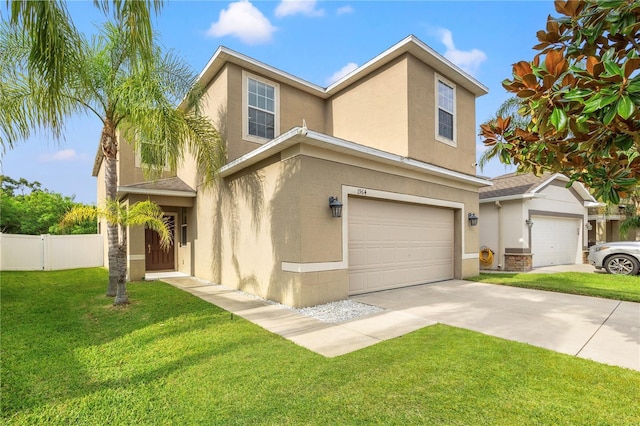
(422, 142)
(102, 223)
(277, 211)
(130, 171)
(492, 234)
(374, 111)
(294, 106)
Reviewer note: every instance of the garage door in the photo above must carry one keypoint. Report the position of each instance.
(395, 245)
(554, 240)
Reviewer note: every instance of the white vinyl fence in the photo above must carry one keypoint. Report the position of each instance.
(50, 252)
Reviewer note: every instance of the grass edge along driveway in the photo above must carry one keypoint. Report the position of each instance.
(68, 356)
(618, 287)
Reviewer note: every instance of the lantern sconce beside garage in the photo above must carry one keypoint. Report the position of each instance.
(336, 207)
(529, 223)
(473, 219)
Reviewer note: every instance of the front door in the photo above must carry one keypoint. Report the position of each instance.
(157, 259)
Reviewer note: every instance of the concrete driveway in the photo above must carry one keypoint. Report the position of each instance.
(603, 330)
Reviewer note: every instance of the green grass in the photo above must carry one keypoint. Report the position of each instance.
(68, 356)
(619, 287)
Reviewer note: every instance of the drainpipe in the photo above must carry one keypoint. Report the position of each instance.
(500, 243)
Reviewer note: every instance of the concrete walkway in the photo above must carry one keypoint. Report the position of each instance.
(603, 330)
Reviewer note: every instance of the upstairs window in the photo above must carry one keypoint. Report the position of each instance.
(446, 112)
(153, 155)
(260, 109)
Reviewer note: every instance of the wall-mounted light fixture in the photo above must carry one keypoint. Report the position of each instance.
(473, 219)
(529, 223)
(589, 226)
(336, 207)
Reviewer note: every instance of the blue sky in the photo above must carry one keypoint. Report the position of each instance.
(314, 40)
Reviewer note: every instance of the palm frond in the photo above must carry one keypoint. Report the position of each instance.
(53, 48)
(149, 214)
(136, 18)
(79, 214)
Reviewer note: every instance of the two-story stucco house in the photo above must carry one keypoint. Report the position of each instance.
(394, 141)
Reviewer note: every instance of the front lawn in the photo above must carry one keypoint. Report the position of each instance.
(68, 357)
(619, 287)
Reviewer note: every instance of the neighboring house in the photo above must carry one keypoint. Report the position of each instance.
(605, 223)
(394, 141)
(529, 221)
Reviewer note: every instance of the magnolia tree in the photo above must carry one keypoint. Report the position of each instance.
(580, 97)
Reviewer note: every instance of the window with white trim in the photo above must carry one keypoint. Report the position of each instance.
(446, 111)
(183, 226)
(260, 104)
(152, 155)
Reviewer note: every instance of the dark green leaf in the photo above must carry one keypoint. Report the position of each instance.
(612, 68)
(558, 119)
(592, 104)
(634, 86)
(610, 4)
(625, 107)
(609, 115)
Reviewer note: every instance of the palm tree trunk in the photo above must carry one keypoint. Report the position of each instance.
(109, 146)
(122, 298)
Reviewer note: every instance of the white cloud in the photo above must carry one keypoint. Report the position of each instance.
(294, 7)
(344, 10)
(244, 21)
(468, 60)
(61, 156)
(341, 73)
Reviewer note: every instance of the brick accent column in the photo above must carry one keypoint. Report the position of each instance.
(518, 262)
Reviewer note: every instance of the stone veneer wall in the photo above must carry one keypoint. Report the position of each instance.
(521, 262)
(585, 254)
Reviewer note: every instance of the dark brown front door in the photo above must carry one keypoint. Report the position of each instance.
(156, 258)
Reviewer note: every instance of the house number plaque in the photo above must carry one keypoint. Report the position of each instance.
(361, 191)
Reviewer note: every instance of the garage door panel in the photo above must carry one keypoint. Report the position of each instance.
(394, 245)
(555, 240)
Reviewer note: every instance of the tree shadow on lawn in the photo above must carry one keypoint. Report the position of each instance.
(59, 344)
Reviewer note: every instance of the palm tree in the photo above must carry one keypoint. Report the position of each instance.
(135, 96)
(54, 43)
(145, 213)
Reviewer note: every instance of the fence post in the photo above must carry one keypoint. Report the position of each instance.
(46, 261)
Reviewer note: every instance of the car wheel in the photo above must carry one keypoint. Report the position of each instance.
(622, 264)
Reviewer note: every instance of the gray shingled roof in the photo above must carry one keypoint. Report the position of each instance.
(168, 184)
(512, 184)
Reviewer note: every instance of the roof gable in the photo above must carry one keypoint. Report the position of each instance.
(410, 44)
(518, 186)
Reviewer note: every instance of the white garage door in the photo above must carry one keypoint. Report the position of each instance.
(554, 240)
(394, 245)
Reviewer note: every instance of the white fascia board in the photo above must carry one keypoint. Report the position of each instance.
(224, 55)
(387, 157)
(287, 139)
(577, 186)
(185, 194)
(402, 47)
(594, 204)
(268, 149)
(526, 196)
(548, 181)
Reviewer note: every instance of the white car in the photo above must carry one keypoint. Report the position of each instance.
(622, 257)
